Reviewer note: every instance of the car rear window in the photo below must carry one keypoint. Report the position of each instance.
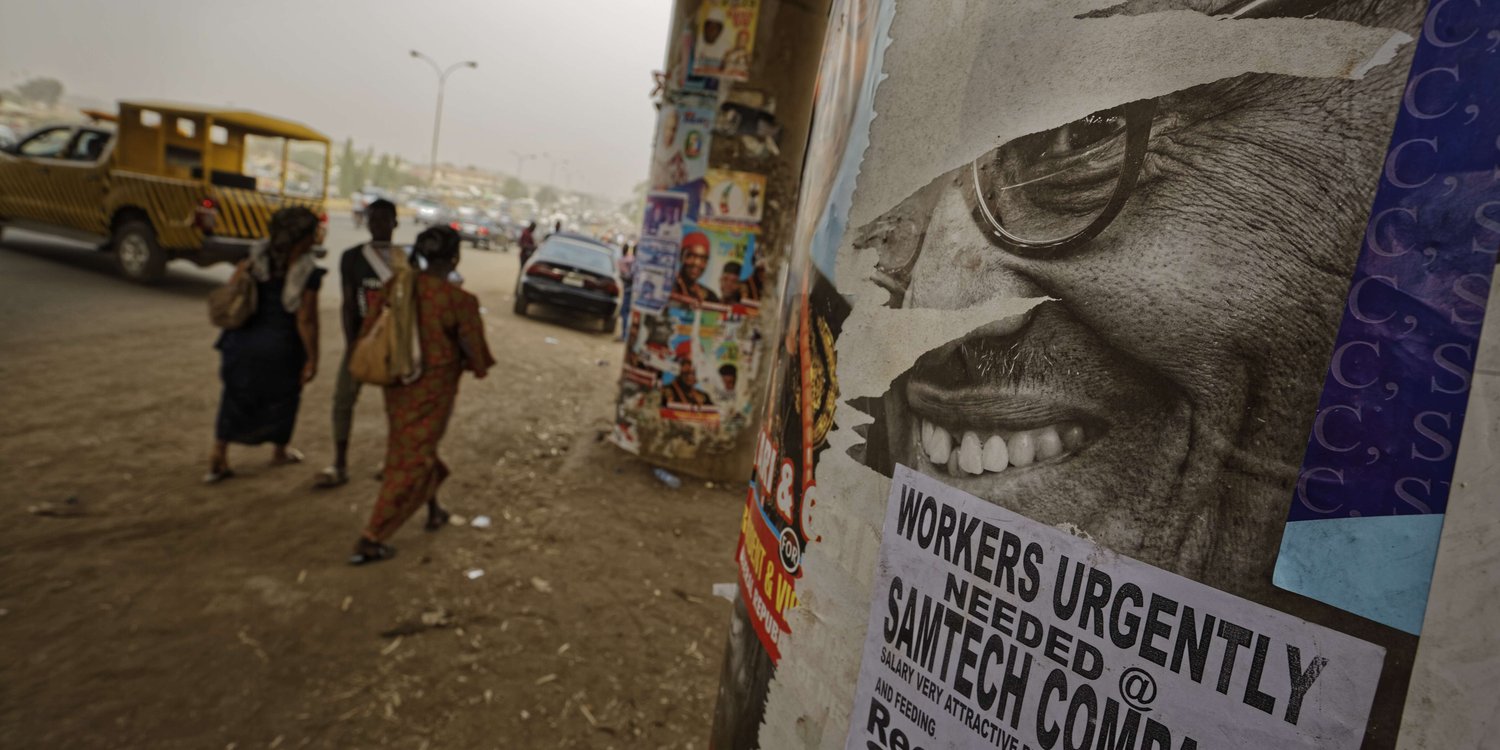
(578, 255)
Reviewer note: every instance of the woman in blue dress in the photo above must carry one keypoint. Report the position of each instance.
(265, 362)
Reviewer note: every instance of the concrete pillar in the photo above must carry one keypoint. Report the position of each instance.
(757, 107)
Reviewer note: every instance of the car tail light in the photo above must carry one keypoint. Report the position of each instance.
(483, 232)
(544, 270)
(206, 215)
(608, 286)
(453, 225)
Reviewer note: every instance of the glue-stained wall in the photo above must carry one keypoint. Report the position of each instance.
(734, 109)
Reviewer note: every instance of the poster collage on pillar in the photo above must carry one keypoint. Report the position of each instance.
(699, 271)
(1111, 469)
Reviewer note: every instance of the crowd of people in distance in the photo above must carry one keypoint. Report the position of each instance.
(266, 361)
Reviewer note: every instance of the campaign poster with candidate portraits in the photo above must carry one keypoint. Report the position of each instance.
(719, 269)
(679, 155)
(726, 38)
(701, 381)
(665, 213)
(731, 197)
(1099, 261)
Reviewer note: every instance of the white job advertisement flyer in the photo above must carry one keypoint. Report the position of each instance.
(992, 630)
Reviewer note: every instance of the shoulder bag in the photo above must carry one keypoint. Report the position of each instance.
(230, 305)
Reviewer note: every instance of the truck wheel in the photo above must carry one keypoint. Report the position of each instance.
(136, 253)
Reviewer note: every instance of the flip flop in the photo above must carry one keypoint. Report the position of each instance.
(331, 477)
(372, 553)
(215, 476)
(293, 456)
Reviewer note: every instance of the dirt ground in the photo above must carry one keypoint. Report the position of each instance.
(142, 609)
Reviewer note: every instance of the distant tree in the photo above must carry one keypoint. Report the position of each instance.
(635, 208)
(367, 166)
(547, 196)
(514, 189)
(384, 173)
(350, 180)
(41, 90)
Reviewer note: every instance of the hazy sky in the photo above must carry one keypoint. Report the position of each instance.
(566, 77)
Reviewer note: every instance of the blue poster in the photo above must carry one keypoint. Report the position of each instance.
(1368, 508)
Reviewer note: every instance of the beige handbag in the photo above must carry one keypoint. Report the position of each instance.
(233, 303)
(389, 352)
(372, 358)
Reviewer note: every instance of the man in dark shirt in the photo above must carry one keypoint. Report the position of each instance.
(363, 271)
(527, 242)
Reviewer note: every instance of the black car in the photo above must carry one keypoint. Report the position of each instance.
(573, 271)
(474, 228)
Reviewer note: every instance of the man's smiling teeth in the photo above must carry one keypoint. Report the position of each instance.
(973, 453)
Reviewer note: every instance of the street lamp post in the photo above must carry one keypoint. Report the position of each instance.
(521, 160)
(437, 119)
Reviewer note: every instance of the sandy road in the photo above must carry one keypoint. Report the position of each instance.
(167, 614)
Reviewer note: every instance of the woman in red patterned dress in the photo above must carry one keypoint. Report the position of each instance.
(451, 334)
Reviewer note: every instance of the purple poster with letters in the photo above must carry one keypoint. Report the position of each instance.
(1368, 508)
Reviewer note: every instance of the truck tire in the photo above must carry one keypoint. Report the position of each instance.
(137, 255)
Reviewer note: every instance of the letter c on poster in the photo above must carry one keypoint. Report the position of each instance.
(1337, 474)
(1409, 100)
(1318, 427)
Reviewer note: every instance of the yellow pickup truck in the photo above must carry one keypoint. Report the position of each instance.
(159, 181)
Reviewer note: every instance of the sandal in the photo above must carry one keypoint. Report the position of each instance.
(331, 477)
(216, 475)
(437, 520)
(293, 456)
(366, 552)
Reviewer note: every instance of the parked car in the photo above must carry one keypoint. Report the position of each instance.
(572, 271)
(475, 229)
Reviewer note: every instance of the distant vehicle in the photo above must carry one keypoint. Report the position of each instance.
(475, 229)
(573, 271)
(427, 212)
(157, 181)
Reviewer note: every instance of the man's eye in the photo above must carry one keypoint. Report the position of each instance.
(1075, 138)
(1081, 135)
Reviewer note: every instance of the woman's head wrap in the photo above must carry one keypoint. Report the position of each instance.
(289, 226)
(437, 243)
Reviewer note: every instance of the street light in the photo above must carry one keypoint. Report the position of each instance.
(437, 120)
(521, 160)
(552, 162)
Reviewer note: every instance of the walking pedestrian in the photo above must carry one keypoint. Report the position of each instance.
(527, 242)
(626, 267)
(265, 362)
(363, 271)
(451, 335)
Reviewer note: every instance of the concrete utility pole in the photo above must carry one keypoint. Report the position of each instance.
(437, 119)
(778, 81)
